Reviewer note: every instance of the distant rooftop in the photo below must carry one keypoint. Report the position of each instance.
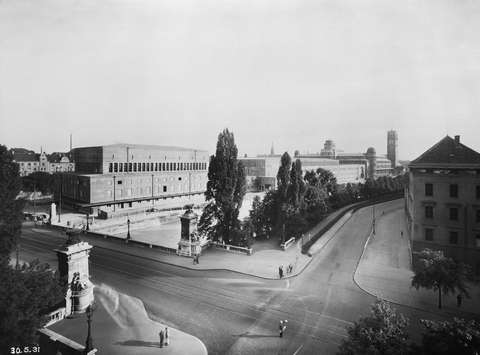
(142, 146)
(448, 152)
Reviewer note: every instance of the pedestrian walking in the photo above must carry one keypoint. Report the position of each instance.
(281, 271)
(161, 335)
(198, 258)
(167, 336)
(280, 327)
(401, 234)
(459, 300)
(290, 268)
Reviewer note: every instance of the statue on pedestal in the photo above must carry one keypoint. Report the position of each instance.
(189, 240)
(73, 264)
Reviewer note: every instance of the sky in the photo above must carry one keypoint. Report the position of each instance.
(289, 72)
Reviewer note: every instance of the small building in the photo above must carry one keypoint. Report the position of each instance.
(442, 201)
(29, 162)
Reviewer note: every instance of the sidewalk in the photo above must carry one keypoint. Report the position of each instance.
(385, 269)
(263, 263)
(120, 325)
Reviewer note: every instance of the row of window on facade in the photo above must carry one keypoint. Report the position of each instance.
(142, 167)
(148, 190)
(453, 190)
(452, 237)
(452, 213)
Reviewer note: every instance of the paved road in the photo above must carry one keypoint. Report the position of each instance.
(237, 314)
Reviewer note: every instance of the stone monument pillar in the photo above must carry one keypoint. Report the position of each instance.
(73, 264)
(189, 243)
(53, 212)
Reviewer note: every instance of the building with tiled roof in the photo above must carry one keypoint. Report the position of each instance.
(442, 201)
(29, 162)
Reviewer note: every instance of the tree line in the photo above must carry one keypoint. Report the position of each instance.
(27, 291)
(302, 200)
(384, 332)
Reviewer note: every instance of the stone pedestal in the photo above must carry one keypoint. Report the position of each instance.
(189, 244)
(73, 264)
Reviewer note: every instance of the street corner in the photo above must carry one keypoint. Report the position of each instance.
(127, 328)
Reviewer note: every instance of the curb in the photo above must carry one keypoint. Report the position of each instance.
(245, 273)
(395, 302)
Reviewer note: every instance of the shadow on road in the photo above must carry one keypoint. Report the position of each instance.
(151, 344)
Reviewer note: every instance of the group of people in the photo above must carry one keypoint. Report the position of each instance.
(164, 337)
(289, 270)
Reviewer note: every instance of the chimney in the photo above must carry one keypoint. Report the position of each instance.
(457, 139)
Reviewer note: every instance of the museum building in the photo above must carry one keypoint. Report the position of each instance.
(126, 176)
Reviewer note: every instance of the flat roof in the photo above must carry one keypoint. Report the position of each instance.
(142, 146)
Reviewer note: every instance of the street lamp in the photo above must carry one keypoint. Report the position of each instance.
(89, 341)
(373, 220)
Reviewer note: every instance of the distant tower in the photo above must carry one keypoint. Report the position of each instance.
(392, 147)
(272, 151)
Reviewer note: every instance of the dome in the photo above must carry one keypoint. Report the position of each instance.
(371, 151)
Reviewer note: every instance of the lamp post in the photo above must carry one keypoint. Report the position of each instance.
(373, 220)
(89, 341)
(60, 199)
(114, 177)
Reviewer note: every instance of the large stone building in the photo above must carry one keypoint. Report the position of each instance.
(442, 201)
(29, 162)
(126, 176)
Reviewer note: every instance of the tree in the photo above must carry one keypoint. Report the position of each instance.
(296, 188)
(27, 293)
(383, 332)
(459, 337)
(283, 175)
(327, 180)
(442, 274)
(10, 207)
(226, 188)
(39, 181)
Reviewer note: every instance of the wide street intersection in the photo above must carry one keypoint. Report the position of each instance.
(233, 313)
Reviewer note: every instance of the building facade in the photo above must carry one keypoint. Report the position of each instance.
(29, 162)
(374, 165)
(124, 176)
(392, 147)
(262, 170)
(442, 201)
